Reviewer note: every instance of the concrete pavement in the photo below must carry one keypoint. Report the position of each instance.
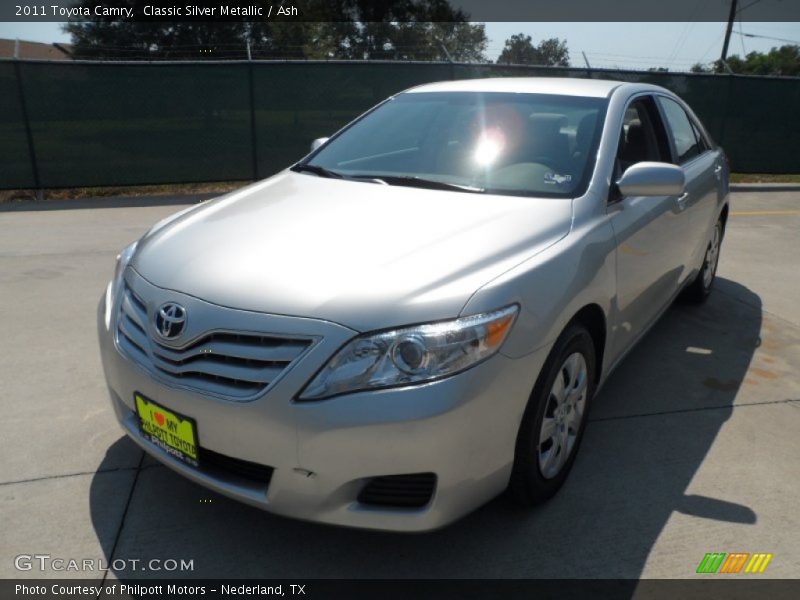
(692, 445)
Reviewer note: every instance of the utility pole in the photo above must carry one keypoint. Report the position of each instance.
(731, 18)
(586, 60)
(444, 49)
(247, 37)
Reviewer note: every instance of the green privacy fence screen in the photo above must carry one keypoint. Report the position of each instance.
(66, 124)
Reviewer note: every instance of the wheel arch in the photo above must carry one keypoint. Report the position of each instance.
(593, 318)
(723, 215)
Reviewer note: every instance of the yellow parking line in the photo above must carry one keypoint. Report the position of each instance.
(763, 213)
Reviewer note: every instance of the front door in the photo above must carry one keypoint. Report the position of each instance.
(652, 232)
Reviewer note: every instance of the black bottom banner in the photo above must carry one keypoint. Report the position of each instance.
(324, 589)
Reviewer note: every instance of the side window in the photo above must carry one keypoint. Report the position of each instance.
(642, 137)
(687, 145)
(701, 140)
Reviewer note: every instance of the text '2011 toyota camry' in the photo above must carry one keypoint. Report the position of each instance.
(417, 315)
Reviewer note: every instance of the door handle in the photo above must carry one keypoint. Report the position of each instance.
(718, 171)
(682, 199)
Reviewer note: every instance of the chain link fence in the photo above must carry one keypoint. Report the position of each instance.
(82, 124)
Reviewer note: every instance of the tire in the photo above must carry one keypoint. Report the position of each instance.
(534, 479)
(698, 291)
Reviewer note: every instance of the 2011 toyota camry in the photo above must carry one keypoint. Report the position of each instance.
(417, 315)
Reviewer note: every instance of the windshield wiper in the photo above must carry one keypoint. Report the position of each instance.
(321, 171)
(420, 182)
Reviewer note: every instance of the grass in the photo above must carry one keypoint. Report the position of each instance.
(764, 178)
(222, 187)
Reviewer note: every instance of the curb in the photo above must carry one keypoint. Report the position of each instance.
(765, 187)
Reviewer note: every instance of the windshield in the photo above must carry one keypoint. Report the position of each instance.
(501, 143)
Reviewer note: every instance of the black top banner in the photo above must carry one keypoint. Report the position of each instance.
(401, 10)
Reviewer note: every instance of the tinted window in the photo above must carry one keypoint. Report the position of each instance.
(530, 144)
(701, 139)
(686, 143)
(399, 130)
(642, 137)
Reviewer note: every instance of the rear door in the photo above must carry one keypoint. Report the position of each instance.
(703, 165)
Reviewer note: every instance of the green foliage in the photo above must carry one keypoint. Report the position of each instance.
(107, 38)
(519, 50)
(783, 61)
(346, 29)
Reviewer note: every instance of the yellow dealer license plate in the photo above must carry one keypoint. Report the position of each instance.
(170, 431)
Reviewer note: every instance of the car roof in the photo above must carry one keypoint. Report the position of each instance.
(566, 86)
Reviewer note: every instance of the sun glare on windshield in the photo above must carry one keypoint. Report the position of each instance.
(501, 143)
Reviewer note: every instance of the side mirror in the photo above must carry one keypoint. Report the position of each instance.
(652, 179)
(317, 143)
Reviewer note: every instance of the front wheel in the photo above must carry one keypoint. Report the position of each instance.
(555, 418)
(700, 288)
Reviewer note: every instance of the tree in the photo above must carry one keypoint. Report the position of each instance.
(346, 29)
(554, 52)
(519, 49)
(107, 38)
(453, 41)
(406, 30)
(778, 61)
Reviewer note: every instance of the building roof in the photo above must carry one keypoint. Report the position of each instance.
(35, 50)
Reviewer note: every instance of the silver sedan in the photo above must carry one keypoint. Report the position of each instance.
(417, 315)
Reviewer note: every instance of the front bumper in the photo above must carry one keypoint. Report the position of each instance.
(462, 428)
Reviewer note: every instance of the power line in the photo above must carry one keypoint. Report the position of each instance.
(682, 39)
(713, 45)
(767, 37)
(728, 30)
(400, 51)
(741, 38)
(748, 6)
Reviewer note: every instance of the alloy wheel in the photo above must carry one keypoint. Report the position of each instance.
(712, 257)
(563, 415)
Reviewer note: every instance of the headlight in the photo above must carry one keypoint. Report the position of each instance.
(412, 354)
(123, 258)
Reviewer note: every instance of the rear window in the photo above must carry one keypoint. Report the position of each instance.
(687, 145)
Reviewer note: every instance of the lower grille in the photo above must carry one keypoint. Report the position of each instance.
(235, 466)
(402, 491)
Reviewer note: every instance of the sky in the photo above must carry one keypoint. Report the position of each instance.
(676, 46)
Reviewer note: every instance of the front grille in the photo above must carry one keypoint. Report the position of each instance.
(235, 466)
(401, 491)
(230, 364)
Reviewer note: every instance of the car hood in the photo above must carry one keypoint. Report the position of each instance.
(365, 255)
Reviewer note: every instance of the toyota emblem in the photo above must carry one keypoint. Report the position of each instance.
(170, 320)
